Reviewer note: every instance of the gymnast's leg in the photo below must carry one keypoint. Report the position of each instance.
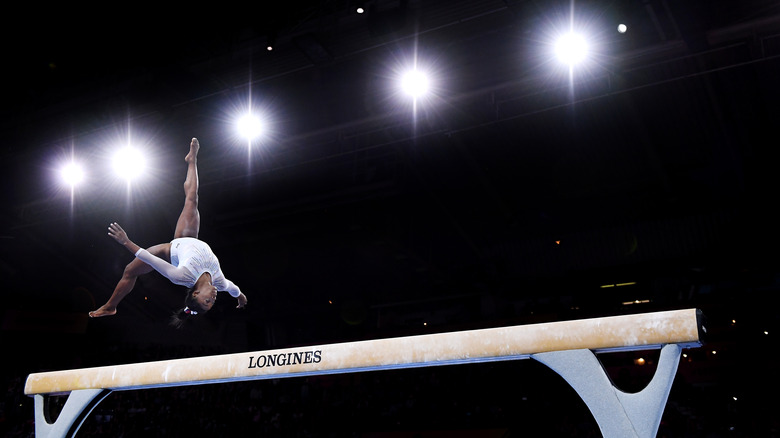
(125, 285)
(188, 224)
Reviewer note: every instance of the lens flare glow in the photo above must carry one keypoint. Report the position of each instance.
(129, 163)
(571, 48)
(72, 174)
(415, 83)
(249, 126)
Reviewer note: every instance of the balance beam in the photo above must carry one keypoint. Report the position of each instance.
(567, 347)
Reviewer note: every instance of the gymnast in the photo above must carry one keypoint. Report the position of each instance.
(185, 260)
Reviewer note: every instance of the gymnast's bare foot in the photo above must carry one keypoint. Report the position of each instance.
(194, 147)
(102, 311)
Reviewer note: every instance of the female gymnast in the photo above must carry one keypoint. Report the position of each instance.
(185, 260)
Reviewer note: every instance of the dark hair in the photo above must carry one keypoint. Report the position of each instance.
(191, 308)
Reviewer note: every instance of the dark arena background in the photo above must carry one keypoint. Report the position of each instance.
(519, 190)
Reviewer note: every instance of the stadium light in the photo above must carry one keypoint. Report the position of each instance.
(72, 174)
(129, 163)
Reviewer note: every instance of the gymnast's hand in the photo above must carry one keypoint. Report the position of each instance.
(241, 301)
(117, 233)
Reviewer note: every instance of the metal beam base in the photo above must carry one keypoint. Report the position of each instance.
(618, 414)
(77, 408)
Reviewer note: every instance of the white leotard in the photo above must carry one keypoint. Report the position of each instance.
(190, 258)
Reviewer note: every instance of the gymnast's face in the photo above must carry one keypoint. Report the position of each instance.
(206, 295)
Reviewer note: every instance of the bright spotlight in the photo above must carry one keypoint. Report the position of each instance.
(415, 83)
(129, 163)
(571, 48)
(72, 174)
(622, 28)
(249, 126)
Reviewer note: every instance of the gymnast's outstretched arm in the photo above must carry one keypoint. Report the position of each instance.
(117, 233)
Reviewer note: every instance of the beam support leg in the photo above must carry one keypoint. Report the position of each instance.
(77, 407)
(618, 414)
